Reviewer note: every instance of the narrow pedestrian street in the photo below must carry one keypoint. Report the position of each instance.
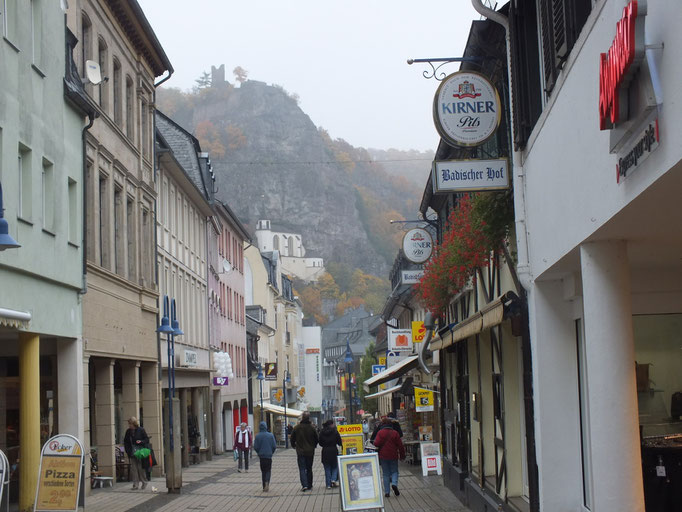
(217, 486)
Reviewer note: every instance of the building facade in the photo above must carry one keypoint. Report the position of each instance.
(598, 165)
(41, 171)
(184, 189)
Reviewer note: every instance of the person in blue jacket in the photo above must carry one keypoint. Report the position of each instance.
(265, 447)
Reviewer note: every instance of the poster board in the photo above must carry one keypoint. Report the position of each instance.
(360, 482)
(352, 439)
(430, 455)
(59, 479)
(423, 399)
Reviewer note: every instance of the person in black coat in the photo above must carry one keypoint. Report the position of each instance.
(328, 440)
(135, 439)
(394, 424)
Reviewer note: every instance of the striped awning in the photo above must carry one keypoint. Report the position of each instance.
(488, 316)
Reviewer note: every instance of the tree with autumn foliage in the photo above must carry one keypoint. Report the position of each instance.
(209, 138)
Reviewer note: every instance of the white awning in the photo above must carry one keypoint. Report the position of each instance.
(384, 391)
(393, 372)
(276, 409)
(488, 316)
(14, 319)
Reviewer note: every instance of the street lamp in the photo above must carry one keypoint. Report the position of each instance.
(349, 361)
(285, 381)
(6, 241)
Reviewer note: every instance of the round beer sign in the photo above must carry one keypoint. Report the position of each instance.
(466, 109)
(417, 245)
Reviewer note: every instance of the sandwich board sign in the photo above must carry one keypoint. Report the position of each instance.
(59, 480)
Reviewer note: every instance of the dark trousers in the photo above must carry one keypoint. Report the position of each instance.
(305, 470)
(243, 456)
(265, 469)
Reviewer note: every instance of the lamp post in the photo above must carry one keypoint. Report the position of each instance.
(349, 361)
(6, 241)
(285, 381)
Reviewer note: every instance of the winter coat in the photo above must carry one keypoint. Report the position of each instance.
(304, 438)
(264, 443)
(134, 439)
(329, 439)
(395, 425)
(390, 445)
(243, 442)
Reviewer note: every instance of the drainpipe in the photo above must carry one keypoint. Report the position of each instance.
(524, 273)
(84, 186)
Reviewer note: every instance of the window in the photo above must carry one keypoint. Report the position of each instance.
(132, 248)
(72, 187)
(130, 108)
(86, 41)
(118, 107)
(10, 19)
(119, 232)
(146, 244)
(37, 31)
(25, 188)
(103, 87)
(144, 128)
(48, 195)
(103, 221)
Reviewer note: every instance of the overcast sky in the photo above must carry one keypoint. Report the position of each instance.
(345, 59)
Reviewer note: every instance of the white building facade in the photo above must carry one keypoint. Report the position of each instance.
(599, 244)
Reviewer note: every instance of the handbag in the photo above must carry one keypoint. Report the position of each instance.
(236, 455)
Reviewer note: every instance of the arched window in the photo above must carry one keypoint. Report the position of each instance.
(118, 85)
(102, 55)
(86, 41)
(291, 246)
(275, 243)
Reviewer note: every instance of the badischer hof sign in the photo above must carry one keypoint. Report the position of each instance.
(466, 109)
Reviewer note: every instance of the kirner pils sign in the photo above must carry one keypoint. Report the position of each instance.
(417, 245)
(466, 109)
(469, 175)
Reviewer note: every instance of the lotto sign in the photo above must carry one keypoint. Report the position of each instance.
(423, 399)
(466, 109)
(61, 462)
(400, 340)
(382, 360)
(349, 429)
(351, 438)
(418, 332)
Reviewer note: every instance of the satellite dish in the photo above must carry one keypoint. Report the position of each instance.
(93, 74)
(227, 268)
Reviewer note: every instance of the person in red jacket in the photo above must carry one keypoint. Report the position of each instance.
(391, 449)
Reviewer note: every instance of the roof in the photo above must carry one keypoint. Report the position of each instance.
(186, 149)
(130, 16)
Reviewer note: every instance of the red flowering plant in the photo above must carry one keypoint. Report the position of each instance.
(466, 246)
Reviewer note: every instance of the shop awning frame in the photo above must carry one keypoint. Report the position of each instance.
(488, 316)
(276, 409)
(393, 372)
(14, 319)
(384, 391)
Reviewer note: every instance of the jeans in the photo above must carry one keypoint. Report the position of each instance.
(243, 455)
(331, 473)
(389, 469)
(266, 469)
(305, 470)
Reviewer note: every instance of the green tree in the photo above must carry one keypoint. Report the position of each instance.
(204, 80)
(368, 404)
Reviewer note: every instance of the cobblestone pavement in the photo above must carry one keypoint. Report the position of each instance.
(217, 486)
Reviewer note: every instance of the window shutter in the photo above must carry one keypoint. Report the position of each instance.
(547, 32)
(559, 18)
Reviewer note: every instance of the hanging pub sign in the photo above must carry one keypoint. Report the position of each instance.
(470, 175)
(417, 245)
(59, 477)
(466, 109)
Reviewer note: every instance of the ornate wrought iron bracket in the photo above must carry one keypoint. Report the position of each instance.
(434, 68)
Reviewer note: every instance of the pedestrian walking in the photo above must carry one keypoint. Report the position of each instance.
(304, 439)
(391, 449)
(264, 445)
(243, 440)
(393, 423)
(136, 439)
(329, 440)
